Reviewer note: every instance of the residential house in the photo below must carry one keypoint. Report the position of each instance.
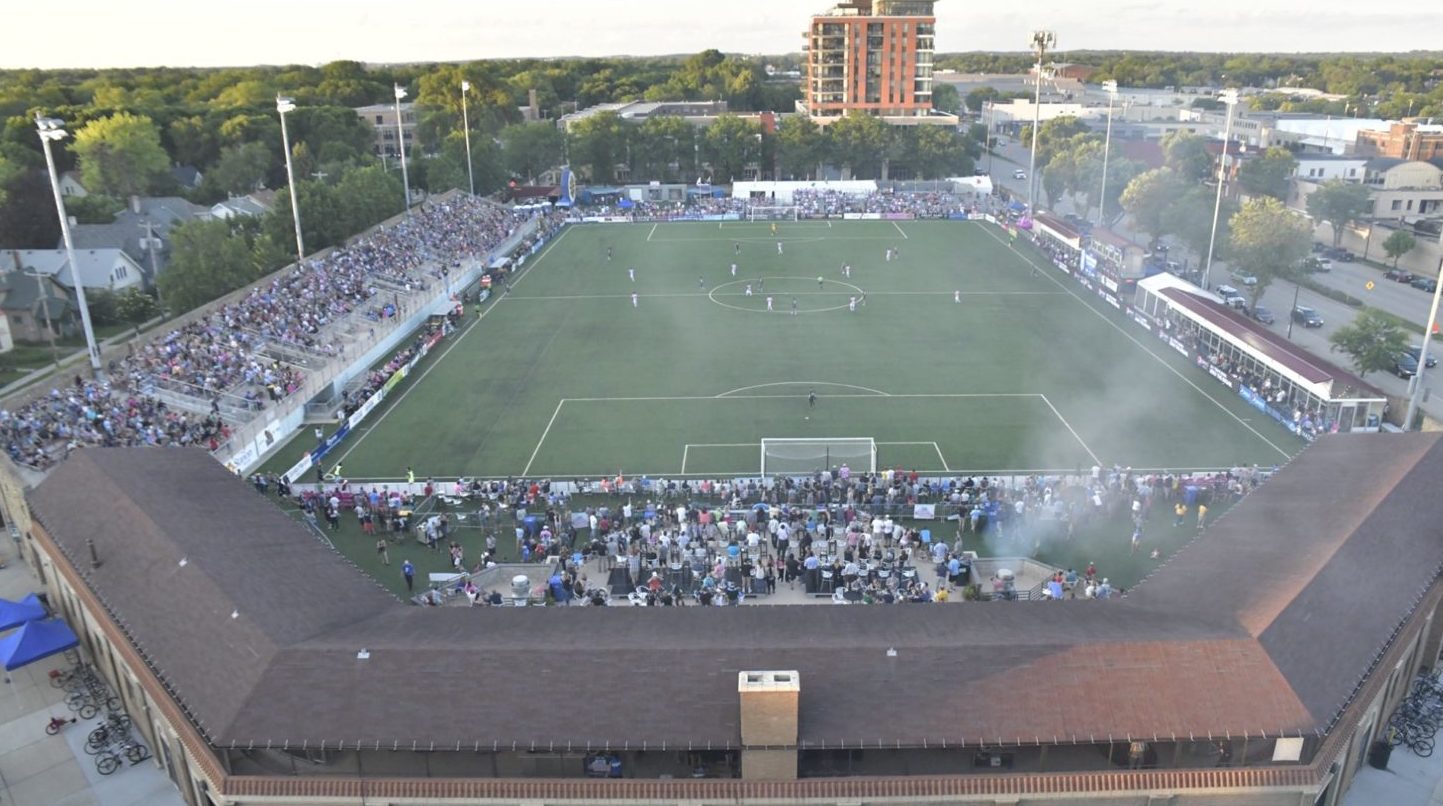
(142, 230)
(382, 120)
(1315, 169)
(29, 303)
(70, 186)
(109, 269)
(252, 204)
(188, 177)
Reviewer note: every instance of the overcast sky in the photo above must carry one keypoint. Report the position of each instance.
(107, 33)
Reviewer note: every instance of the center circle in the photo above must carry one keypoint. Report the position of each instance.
(804, 287)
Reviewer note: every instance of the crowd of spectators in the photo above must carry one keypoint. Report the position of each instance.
(813, 203)
(224, 352)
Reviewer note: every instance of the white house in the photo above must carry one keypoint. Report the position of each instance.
(70, 186)
(253, 204)
(99, 268)
(1323, 167)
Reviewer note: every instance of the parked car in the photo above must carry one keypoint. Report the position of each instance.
(1400, 276)
(1314, 264)
(1264, 315)
(1339, 254)
(1416, 350)
(1307, 317)
(1019, 174)
(1232, 297)
(1405, 366)
(1425, 284)
(1244, 278)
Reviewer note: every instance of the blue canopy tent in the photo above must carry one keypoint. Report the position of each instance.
(36, 640)
(14, 614)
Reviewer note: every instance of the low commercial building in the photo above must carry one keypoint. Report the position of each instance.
(1406, 140)
(382, 120)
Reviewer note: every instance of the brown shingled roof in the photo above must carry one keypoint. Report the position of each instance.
(1254, 628)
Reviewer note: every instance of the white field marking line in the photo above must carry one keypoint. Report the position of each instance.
(1068, 426)
(685, 294)
(1067, 471)
(802, 383)
(454, 344)
(783, 397)
(1047, 270)
(750, 239)
(539, 442)
(653, 232)
(938, 449)
(684, 449)
(899, 230)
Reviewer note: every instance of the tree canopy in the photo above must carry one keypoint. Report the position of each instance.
(1338, 202)
(1372, 341)
(1268, 241)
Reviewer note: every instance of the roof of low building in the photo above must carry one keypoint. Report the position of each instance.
(95, 265)
(1266, 623)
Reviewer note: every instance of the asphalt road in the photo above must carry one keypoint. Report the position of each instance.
(1396, 298)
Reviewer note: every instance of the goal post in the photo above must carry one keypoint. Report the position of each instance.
(758, 212)
(804, 456)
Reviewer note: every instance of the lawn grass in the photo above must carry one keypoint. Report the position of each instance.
(564, 377)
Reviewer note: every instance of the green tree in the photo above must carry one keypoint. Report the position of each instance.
(120, 155)
(1338, 202)
(1372, 341)
(1269, 174)
(729, 145)
(367, 196)
(208, 259)
(1054, 135)
(663, 147)
(1147, 198)
(860, 143)
(945, 98)
(192, 141)
(1268, 241)
(939, 151)
(527, 149)
(240, 170)
(1398, 244)
(1190, 220)
(96, 208)
(135, 306)
(27, 212)
(800, 145)
(977, 99)
(599, 143)
(1187, 155)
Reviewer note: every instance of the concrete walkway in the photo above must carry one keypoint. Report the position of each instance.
(1408, 781)
(37, 769)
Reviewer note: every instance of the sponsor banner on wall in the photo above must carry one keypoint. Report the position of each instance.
(897, 216)
(924, 512)
(1177, 345)
(1139, 318)
(1111, 300)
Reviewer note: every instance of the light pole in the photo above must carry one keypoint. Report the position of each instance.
(1042, 41)
(284, 105)
(989, 140)
(401, 140)
(466, 127)
(1229, 97)
(1111, 87)
(1417, 389)
(53, 130)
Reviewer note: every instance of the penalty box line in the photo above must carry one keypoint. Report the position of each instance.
(686, 449)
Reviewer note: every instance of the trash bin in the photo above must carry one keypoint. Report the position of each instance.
(1379, 754)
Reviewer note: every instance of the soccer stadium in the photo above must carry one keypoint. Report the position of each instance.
(809, 530)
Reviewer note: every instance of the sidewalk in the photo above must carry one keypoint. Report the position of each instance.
(37, 769)
(1408, 781)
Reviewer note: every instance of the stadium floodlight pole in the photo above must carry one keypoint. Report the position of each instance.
(401, 140)
(1111, 87)
(1229, 97)
(53, 130)
(466, 128)
(1042, 41)
(284, 105)
(1417, 389)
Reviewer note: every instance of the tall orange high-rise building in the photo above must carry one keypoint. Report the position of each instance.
(871, 56)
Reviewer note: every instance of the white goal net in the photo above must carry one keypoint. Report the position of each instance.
(784, 457)
(765, 213)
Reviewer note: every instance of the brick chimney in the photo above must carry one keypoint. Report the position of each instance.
(769, 724)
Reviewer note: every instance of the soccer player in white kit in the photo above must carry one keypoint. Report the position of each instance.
(957, 296)
(779, 247)
(769, 303)
(749, 289)
(632, 274)
(634, 300)
(734, 269)
(852, 303)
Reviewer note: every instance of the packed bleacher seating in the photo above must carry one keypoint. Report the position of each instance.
(223, 353)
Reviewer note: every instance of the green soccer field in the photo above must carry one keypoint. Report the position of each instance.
(567, 376)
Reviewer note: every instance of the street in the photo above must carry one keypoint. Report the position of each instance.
(1400, 299)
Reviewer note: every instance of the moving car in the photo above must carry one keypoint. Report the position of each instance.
(1019, 174)
(1415, 350)
(1425, 284)
(1264, 315)
(1307, 317)
(1405, 366)
(1400, 276)
(1245, 278)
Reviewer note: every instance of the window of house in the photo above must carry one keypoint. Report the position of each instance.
(379, 121)
(1397, 204)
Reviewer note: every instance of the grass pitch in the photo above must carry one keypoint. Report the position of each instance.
(963, 355)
